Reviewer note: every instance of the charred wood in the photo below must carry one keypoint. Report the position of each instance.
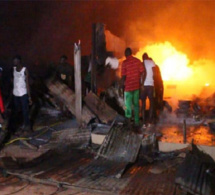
(100, 108)
(67, 97)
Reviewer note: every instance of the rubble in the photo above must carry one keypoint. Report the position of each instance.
(100, 108)
(125, 163)
(63, 154)
(67, 97)
(115, 100)
(184, 108)
(195, 175)
(120, 148)
(163, 166)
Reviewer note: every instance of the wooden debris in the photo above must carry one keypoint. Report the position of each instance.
(78, 93)
(164, 166)
(149, 144)
(28, 145)
(100, 108)
(71, 136)
(67, 97)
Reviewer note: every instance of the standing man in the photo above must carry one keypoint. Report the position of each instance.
(158, 85)
(21, 91)
(87, 79)
(147, 88)
(65, 72)
(132, 70)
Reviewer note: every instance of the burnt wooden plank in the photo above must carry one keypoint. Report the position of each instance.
(67, 97)
(100, 108)
(78, 88)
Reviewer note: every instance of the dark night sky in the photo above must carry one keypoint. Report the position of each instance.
(45, 30)
(42, 31)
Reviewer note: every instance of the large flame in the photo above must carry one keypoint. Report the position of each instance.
(173, 63)
(182, 79)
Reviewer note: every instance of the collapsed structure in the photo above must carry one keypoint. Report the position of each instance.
(99, 153)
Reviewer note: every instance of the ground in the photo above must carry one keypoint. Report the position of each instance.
(66, 164)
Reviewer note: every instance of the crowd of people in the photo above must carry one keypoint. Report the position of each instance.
(21, 94)
(141, 80)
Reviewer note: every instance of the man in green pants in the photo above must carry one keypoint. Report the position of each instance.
(132, 71)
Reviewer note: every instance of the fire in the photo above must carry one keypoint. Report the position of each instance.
(187, 78)
(173, 64)
(182, 77)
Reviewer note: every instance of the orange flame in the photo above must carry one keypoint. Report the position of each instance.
(173, 63)
(181, 79)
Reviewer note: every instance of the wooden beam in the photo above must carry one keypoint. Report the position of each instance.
(64, 95)
(105, 113)
(78, 91)
(93, 60)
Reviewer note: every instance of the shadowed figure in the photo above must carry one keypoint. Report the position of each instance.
(158, 85)
(147, 88)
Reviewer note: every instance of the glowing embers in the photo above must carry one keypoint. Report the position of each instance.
(173, 63)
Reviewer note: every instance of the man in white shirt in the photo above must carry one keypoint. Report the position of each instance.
(147, 88)
(21, 91)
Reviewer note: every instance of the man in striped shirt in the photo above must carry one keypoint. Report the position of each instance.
(132, 70)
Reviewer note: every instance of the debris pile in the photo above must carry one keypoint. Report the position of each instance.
(64, 95)
(196, 174)
(119, 148)
(100, 108)
(184, 109)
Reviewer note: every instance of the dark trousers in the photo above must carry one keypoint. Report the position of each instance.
(21, 103)
(148, 91)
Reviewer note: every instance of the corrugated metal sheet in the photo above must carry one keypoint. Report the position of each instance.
(143, 182)
(136, 181)
(193, 175)
(120, 145)
(103, 167)
(78, 169)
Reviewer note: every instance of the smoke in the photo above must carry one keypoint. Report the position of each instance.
(185, 24)
(52, 27)
(43, 31)
(182, 78)
(178, 34)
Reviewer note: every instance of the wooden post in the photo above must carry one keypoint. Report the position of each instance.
(93, 60)
(78, 89)
(185, 132)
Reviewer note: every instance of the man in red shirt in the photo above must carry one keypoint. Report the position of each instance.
(132, 70)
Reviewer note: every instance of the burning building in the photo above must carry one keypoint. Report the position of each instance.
(177, 35)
